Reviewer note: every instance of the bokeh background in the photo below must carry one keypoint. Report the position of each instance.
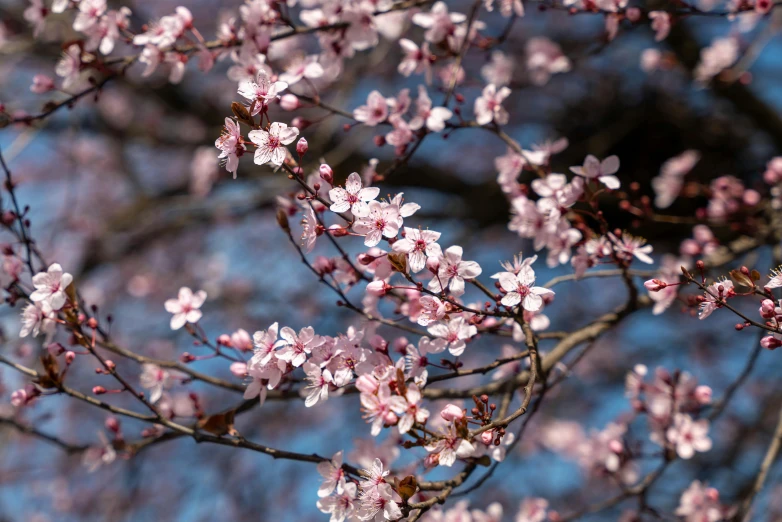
(126, 193)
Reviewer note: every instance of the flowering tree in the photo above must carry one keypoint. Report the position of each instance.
(407, 359)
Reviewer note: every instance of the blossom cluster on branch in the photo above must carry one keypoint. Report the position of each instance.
(422, 304)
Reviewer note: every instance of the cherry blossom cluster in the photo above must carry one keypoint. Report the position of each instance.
(405, 276)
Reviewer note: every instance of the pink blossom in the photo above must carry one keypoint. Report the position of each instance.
(455, 333)
(721, 54)
(341, 506)
(432, 309)
(319, 382)
(450, 447)
(489, 107)
(433, 118)
(413, 412)
(401, 134)
(689, 436)
(155, 379)
(302, 67)
(438, 23)
(715, 293)
(416, 60)
(603, 171)
(231, 146)
(419, 245)
(90, 12)
(69, 67)
(38, 318)
(261, 92)
(545, 58)
(499, 71)
(452, 413)
(374, 112)
(264, 343)
(35, 14)
(185, 307)
(271, 143)
(661, 24)
(775, 279)
(699, 503)
(518, 284)
(628, 247)
(295, 348)
(41, 84)
(453, 271)
(353, 197)
(51, 286)
(333, 475)
(532, 510)
(378, 223)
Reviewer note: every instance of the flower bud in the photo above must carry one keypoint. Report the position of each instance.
(112, 424)
(378, 288)
(487, 436)
(239, 369)
(338, 231)
(69, 357)
(702, 394)
(452, 413)
(19, 398)
(770, 343)
(302, 147)
(767, 309)
(41, 84)
(326, 174)
(289, 102)
(98, 390)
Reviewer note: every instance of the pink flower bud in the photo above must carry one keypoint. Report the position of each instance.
(655, 285)
(487, 437)
(767, 309)
(239, 369)
(289, 102)
(377, 288)
(452, 413)
(616, 446)
(69, 357)
(98, 390)
(703, 394)
(225, 340)
(41, 84)
(18, 398)
(770, 343)
(338, 231)
(112, 424)
(366, 384)
(302, 147)
(712, 494)
(326, 174)
(751, 197)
